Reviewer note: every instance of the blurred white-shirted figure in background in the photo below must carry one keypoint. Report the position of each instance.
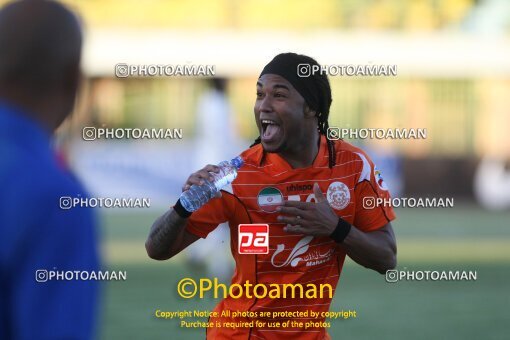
(215, 140)
(492, 184)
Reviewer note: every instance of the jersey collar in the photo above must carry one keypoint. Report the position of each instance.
(279, 164)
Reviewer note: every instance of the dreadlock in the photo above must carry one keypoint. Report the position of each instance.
(318, 95)
(323, 114)
(256, 141)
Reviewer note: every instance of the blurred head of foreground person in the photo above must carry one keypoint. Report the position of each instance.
(41, 238)
(40, 47)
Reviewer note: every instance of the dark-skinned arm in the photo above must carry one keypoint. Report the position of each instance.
(375, 250)
(168, 235)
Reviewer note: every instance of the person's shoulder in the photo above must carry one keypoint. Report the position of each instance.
(352, 159)
(32, 196)
(346, 151)
(38, 179)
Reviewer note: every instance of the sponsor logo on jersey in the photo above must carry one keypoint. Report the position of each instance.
(379, 180)
(253, 239)
(269, 199)
(299, 187)
(297, 254)
(338, 195)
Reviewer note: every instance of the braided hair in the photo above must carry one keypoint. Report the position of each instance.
(319, 100)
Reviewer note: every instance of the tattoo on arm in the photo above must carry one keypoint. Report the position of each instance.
(166, 233)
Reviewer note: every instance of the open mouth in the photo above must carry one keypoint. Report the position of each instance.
(270, 129)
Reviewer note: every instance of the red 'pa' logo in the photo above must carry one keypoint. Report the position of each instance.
(253, 238)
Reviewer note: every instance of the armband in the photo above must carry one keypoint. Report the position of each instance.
(179, 209)
(341, 231)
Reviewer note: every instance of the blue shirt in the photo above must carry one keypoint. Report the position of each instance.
(35, 234)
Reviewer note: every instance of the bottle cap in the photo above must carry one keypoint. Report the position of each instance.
(237, 162)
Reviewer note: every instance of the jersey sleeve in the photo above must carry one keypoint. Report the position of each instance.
(210, 215)
(370, 187)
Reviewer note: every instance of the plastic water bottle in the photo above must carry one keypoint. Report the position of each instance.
(198, 195)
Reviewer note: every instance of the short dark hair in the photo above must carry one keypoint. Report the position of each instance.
(39, 53)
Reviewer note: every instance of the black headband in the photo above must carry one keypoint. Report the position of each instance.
(294, 68)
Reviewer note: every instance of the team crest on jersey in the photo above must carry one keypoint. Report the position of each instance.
(269, 199)
(379, 180)
(338, 195)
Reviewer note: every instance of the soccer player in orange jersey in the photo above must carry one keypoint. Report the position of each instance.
(308, 189)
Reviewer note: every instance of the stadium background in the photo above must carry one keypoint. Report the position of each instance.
(453, 60)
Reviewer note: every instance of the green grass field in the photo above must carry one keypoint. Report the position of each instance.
(463, 238)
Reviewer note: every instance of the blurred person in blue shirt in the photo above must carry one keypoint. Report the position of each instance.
(40, 47)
